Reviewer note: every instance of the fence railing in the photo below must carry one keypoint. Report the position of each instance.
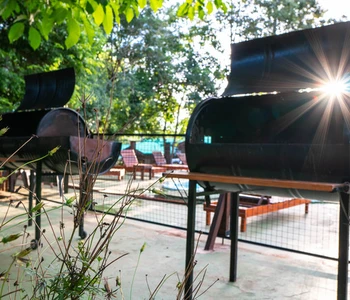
(163, 201)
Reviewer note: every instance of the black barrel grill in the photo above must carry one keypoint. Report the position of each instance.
(290, 132)
(41, 124)
(275, 131)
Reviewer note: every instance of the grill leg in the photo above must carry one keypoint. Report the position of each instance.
(65, 183)
(30, 197)
(38, 176)
(343, 258)
(234, 208)
(191, 218)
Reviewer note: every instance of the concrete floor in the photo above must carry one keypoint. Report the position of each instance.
(263, 273)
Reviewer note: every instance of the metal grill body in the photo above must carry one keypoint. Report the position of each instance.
(41, 117)
(292, 134)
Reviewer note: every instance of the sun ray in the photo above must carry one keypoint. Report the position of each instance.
(284, 122)
(323, 127)
(345, 110)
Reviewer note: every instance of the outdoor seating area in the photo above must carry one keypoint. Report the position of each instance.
(161, 162)
(131, 164)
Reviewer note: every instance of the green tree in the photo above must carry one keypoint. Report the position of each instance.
(156, 71)
(37, 19)
(257, 18)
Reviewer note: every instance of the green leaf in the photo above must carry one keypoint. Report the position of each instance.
(46, 26)
(16, 31)
(136, 10)
(37, 207)
(93, 3)
(3, 130)
(156, 4)
(182, 11)
(21, 18)
(59, 15)
(89, 30)
(116, 7)
(142, 3)
(54, 150)
(108, 20)
(10, 238)
(190, 13)
(224, 8)
(9, 8)
(201, 13)
(91, 6)
(34, 38)
(70, 201)
(73, 29)
(210, 7)
(143, 247)
(99, 15)
(129, 13)
(23, 253)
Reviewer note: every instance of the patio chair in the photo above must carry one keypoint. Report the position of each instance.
(182, 157)
(161, 162)
(131, 164)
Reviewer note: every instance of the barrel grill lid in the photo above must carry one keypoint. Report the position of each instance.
(48, 89)
(288, 62)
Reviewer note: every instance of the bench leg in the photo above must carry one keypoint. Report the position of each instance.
(134, 172)
(243, 224)
(207, 218)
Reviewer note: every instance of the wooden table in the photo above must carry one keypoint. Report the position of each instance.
(341, 189)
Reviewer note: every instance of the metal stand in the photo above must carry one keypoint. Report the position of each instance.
(343, 256)
(234, 214)
(191, 218)
(35, 243)
(31, 191)
(342, 189)
(190, 241)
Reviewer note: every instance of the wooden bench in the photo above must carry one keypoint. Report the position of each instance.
(118, 172)
(4, 186)
(254, 206)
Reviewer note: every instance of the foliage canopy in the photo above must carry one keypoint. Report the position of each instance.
(37, 19)
(140, 68)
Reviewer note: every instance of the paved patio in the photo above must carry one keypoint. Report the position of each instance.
(263, 273)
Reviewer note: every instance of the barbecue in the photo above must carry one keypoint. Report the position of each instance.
(288, 132)
(41, 124)
(281, 128)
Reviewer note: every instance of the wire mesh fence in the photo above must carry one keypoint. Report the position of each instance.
(304, 226)
(310, 227)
